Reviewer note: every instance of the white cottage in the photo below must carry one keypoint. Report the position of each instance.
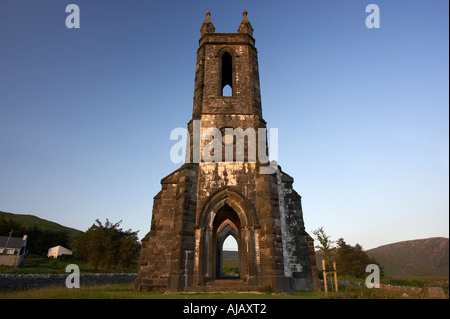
(12, 250)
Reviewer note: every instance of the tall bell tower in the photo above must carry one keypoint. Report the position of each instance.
(227, 92)
(221, 190)
(227, 59)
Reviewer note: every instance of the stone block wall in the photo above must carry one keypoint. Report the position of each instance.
(35, 281)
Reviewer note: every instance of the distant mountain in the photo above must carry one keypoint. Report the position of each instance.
(230, 254)
(31, 220)
(420, 257)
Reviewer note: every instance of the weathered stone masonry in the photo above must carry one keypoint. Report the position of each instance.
(202, 203)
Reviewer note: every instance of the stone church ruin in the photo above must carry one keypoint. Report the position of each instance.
(205, 201)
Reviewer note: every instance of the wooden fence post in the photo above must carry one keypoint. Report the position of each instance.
(335, 276)
(324, 277)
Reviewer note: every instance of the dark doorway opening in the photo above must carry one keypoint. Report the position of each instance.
(226, 224)
(230, 259)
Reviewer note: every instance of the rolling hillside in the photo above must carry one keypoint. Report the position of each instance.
(420, 257)
(413, 258)
(31, 220)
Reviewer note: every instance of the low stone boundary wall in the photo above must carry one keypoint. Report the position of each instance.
(34, 281)
(330, 283)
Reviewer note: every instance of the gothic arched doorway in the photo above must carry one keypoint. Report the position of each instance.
(225, 213)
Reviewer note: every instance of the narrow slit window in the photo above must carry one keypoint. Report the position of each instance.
(227, 75)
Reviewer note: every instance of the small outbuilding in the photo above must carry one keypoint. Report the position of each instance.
(12, 250)
(58, 251)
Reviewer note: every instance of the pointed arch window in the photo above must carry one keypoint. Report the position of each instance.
(227, 75)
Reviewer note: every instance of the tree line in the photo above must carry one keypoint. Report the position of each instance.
(350, 260)
(102, 246)
(39, 240)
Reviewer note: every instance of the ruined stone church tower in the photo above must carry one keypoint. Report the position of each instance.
(205, 201)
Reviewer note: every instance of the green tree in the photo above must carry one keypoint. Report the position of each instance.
(106, 246)
(326, 246)
(6, 225)
(352, 260)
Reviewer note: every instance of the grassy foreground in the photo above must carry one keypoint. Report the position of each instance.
(125, 291)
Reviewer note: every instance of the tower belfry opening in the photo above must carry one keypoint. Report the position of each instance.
(202, 203)
(227, 74)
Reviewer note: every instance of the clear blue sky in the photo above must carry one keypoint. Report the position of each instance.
(362, 114)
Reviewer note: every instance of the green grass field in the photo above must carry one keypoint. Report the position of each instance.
(125, 291)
